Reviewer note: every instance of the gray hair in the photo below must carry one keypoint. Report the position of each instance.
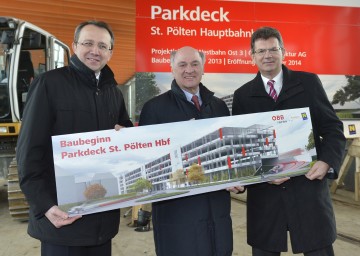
(173, 54)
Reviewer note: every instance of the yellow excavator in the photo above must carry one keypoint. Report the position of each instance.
(26, 51)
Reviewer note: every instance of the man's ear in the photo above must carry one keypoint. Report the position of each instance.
(74, 45)
(253, 58)
(110, 55)
(283, 52)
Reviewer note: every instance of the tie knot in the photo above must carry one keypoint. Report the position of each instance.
(271, 83)
(195, 100)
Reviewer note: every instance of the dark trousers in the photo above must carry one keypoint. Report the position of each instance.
(61, 250)
(327, 251)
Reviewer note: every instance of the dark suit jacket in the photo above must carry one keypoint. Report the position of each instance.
(198, 225)
(64, 101)
(299, 205)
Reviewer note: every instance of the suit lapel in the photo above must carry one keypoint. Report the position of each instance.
(258, 88)
(291, 85)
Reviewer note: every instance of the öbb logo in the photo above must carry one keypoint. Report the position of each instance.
(277, 118)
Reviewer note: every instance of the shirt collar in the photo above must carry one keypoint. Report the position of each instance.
(189, 96)
(278, 82)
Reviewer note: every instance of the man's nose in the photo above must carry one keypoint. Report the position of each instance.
(189, 69)
(268, 53)
(95, 49)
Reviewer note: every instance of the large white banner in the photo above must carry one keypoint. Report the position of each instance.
(104, 170)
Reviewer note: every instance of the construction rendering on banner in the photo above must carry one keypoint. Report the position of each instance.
(227, 153)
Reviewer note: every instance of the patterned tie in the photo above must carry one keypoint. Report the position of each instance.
(272, 91)
(196, 101)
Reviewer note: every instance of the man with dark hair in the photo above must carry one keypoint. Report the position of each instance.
(300, 205)
(82, 97)
(198, 225)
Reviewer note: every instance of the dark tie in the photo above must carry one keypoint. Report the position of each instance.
(272, 91)
(196, 101)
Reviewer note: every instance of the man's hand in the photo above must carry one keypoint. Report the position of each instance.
(318, 171)
(59, 218)
(279, 181)
(118, 127)
(236, 189)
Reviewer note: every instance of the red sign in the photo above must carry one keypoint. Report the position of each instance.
(319, 39)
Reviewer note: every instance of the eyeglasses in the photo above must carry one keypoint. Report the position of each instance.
(101, 46)
(262, 52)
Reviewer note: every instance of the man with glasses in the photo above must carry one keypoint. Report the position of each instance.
(82, 97)
(299, 205)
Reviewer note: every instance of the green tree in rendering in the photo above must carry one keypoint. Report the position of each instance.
(349, 92)
(146, 88)
(311, 141)
(141, 184)
(196, 174)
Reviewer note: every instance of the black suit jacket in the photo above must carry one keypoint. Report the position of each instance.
(299, 205)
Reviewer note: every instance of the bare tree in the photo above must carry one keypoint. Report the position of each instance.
(178, 177)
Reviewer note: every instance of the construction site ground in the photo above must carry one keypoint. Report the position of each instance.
(14, 240)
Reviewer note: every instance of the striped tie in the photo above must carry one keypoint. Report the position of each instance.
(272, 91)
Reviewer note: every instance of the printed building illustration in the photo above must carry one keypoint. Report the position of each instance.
(224, 154)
